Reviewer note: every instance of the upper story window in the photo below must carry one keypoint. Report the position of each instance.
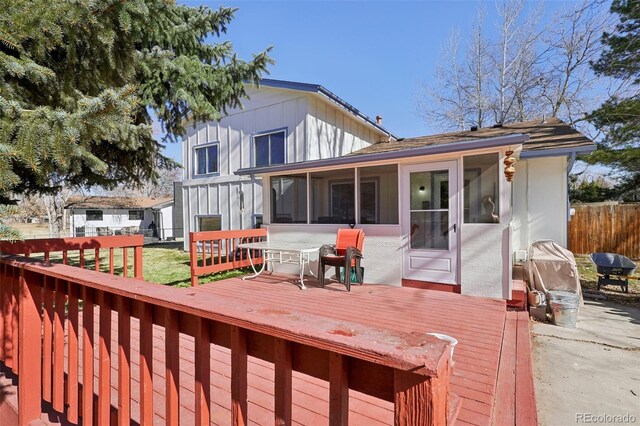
(94, 215)
(269, 148)
(206, 159)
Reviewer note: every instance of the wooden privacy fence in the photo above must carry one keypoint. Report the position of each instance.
(44, 306)
(217, 251)
(97, 246)
(605, 227)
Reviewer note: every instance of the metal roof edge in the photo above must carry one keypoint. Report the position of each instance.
(317, 88)
(557, 152)
(514, 139)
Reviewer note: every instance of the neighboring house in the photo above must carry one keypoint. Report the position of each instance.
(94, 216)
(282, 122)
(437, 210)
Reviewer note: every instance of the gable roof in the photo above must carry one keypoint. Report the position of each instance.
(329, 95)
(546, 138)
(97, 202)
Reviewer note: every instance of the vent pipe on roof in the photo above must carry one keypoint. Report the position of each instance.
(379, 120)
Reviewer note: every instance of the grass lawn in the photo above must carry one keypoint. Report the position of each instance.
(589, 281)
(163, 263)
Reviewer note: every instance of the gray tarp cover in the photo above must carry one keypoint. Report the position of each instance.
(552, 267)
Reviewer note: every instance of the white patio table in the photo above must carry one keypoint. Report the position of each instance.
(281, 252)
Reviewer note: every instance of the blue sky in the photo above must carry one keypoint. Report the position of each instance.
(376, 55)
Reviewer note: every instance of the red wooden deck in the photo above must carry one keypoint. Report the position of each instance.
(477, 323)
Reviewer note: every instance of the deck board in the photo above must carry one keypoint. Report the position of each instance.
(477, 323)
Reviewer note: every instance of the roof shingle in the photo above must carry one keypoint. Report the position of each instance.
(96, 202)
(543, 135)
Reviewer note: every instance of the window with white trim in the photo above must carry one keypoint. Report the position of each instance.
(269, 148)
(206, 160)
(209, 223)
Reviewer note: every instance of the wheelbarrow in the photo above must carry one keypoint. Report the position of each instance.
(613, 269)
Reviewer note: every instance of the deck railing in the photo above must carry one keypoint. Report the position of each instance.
(217, 251)
(410, 370)
(66, 248)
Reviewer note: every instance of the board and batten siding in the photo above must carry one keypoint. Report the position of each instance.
(331, 132)
(315, 129)
(265, 110)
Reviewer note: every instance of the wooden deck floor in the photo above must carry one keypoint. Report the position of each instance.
(477, 323)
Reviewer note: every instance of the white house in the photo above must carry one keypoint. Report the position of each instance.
(281, 123)
(94, 216)
(436, 210)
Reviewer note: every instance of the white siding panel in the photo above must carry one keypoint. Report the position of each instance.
(192, 201)
(262, 119)
(540, 201)
(233, 144)
(203, 136)
(289, 113)
(203, 202)
(275, 117)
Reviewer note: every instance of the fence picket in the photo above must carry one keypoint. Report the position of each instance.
(609, 227)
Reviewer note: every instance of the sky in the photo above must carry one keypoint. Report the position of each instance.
(376, 55)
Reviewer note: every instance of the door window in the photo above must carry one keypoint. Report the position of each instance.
(429, 210)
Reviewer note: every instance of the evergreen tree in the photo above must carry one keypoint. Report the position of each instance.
(619, 116)
(78, 80)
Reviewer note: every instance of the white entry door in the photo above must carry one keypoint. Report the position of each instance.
(430, 212)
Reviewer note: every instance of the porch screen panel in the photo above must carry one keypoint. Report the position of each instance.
(429, 210)
(289, 199)
(481, 199)
(333, 196)
(378, 194)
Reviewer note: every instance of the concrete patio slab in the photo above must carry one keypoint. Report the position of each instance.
(590, 374)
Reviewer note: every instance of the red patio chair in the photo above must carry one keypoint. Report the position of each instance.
(346, 253)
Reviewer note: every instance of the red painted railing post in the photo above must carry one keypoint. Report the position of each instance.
(338, 390)
(146, 362)
(238, 376)
(193, 256)
(421, 400)
(202, 372)
(283, 390)
(7, 309)
(137, 262)
(3, 285)
(30, 352)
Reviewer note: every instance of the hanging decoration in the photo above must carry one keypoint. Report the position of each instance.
(509, 170)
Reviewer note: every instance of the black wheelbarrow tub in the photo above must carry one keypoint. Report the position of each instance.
(613, 264)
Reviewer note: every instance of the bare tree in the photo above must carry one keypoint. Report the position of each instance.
(29, 208)
(573, 40)
(446, 104)
(162, 187)
(525, 73)
(478, 72)
(54, 205)
(514, 57)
